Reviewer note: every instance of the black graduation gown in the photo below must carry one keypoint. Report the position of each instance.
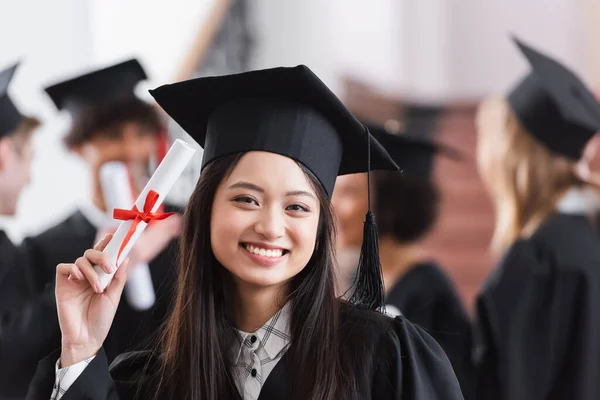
(27, 315)
(392, 359)
(427, 297)
(538, 323)
(131, 329)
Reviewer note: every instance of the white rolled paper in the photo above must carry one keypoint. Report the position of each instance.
(161, 182)
(118, 193)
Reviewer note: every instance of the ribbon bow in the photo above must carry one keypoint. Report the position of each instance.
(134, 214)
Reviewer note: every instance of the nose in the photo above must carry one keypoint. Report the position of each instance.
(271, 224)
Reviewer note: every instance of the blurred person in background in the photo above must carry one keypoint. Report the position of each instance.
(23, 313)
(109, 123)
(537, 331)
(407, 207)
(406, 204)
(350, 205)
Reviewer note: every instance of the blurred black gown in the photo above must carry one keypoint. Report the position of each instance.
(27, 318)
(426, 297)
(538, 316)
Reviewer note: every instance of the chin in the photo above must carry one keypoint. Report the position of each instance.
(261, 278)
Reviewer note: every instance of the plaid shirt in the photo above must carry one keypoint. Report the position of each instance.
(256, 354)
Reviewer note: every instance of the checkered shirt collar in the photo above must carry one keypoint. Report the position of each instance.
(274, 335)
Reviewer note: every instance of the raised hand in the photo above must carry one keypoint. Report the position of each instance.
(85, 311)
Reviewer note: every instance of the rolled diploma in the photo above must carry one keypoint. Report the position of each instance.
(116, 188)
(161, 182)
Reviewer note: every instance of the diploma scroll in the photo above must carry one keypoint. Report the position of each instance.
(118, 194)
(159, 185)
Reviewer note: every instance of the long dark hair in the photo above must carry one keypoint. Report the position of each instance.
(196, 343)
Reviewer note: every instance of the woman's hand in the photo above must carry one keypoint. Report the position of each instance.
(85, 311)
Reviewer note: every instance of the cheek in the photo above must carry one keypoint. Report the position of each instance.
(304, 235)
(226, 226)
(142, 150)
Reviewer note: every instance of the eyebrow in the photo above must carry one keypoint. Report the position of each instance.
(256, 188)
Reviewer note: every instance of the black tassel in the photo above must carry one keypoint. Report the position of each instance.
(367, 290)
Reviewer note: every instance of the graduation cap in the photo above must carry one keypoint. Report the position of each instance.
(288, 111)
(414, 155)
(421, 119)
(10, 117)
(554, 105)
(97, 87)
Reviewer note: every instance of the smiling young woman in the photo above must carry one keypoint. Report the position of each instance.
(256, 315)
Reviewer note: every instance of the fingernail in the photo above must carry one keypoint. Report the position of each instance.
(98, 287)
(110, 268)
(79, 275)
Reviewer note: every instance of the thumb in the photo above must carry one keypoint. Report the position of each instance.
(115, 288)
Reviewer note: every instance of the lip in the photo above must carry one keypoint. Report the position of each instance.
(263, 260)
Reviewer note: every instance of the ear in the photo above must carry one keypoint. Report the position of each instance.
(591, 149)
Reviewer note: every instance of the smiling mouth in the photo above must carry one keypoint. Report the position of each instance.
(264, 252)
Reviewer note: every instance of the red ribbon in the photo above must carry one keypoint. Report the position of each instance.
(134, 214)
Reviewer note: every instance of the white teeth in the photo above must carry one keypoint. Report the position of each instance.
(274, 253)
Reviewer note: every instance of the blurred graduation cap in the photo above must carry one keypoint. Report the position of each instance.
(554, 105)
(10, 117)
(287, 111)
(414, 153)
(97, 87)
(421, 119)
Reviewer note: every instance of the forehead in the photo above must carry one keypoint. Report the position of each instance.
(271, 171)
(350, 181)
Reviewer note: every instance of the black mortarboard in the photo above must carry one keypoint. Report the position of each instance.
(10, 117)
(288, 111)
(554, 105)
(413, 154)
(97, 87)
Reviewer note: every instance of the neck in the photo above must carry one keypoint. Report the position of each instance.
(397, 259)
(255, 306)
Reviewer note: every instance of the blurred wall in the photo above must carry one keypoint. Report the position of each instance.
(288, 33)
(441, 51)
(159, 33)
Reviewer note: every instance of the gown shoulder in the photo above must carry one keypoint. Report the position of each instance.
(405, 361)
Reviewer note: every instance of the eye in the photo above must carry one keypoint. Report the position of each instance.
(245, 200)
(297, 207)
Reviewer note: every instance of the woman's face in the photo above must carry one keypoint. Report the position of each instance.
(350, 205)
(133, 145)
(264, 221)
